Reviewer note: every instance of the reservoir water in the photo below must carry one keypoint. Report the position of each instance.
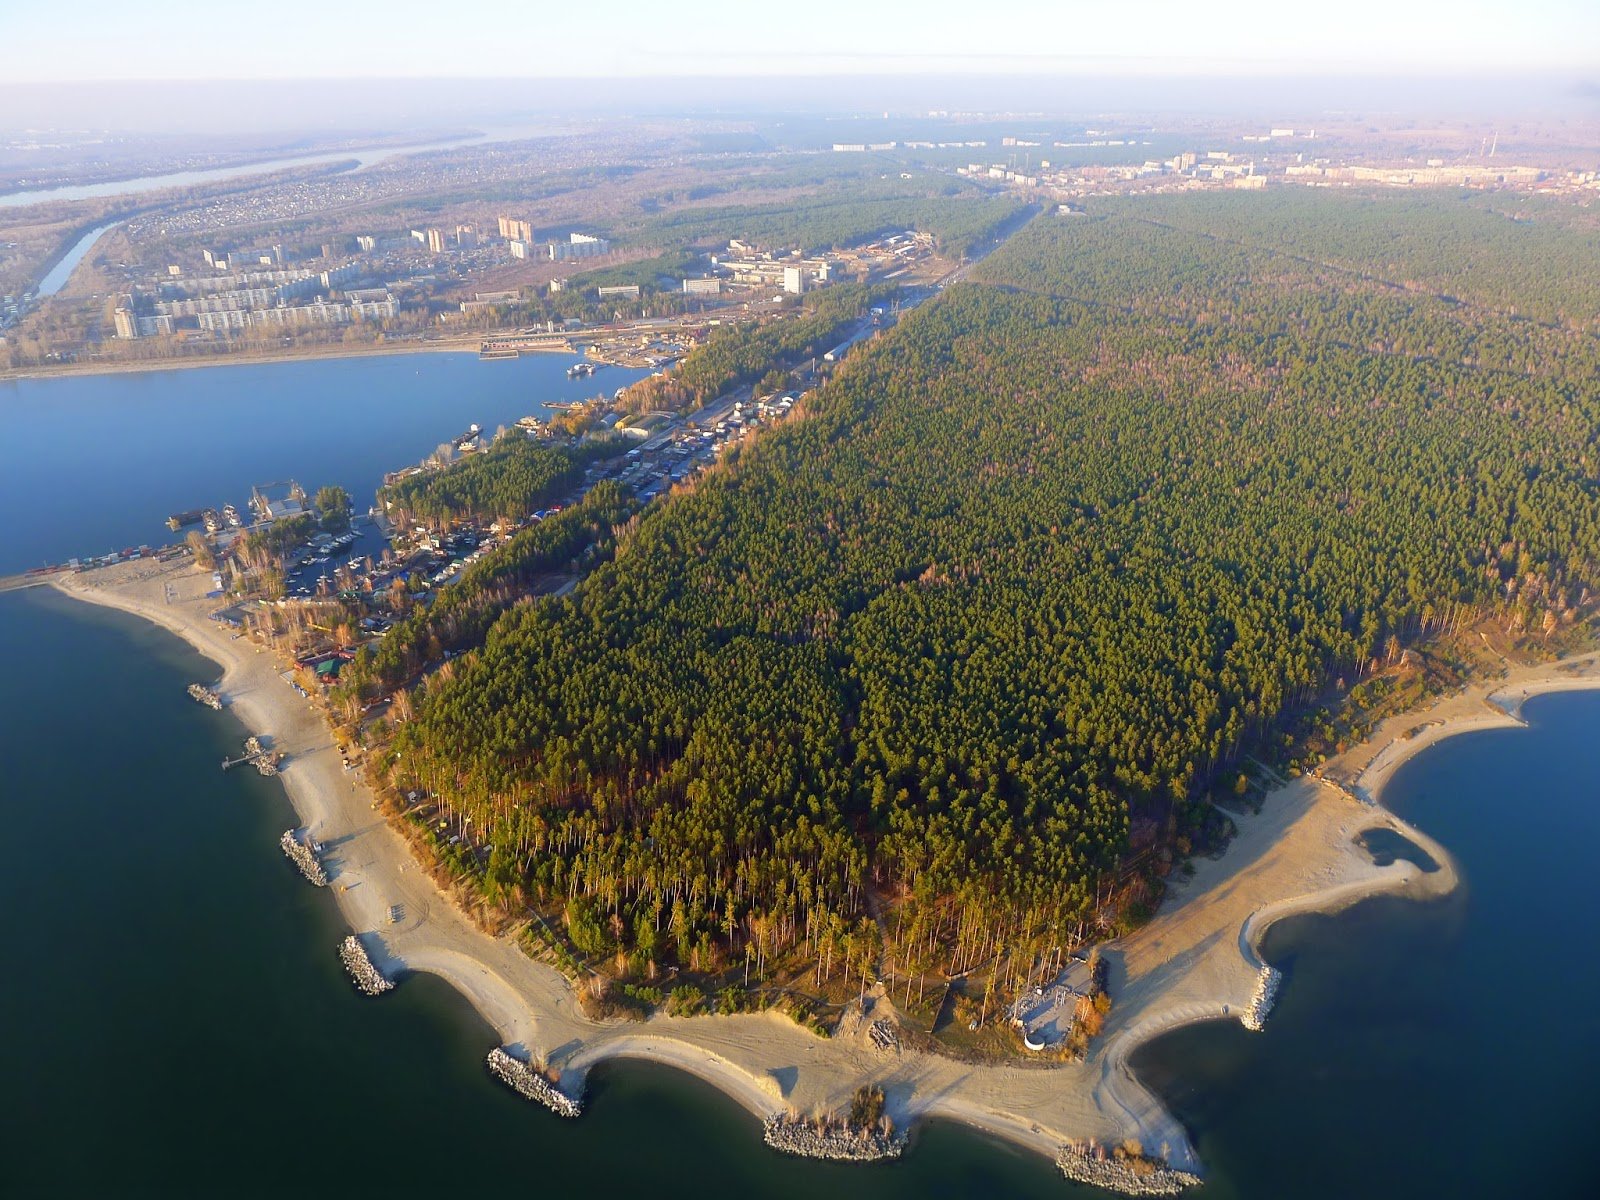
(1441, 1049)
(94, 463)
(176, 1021)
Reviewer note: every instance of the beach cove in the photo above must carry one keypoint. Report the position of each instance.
(1198, 960)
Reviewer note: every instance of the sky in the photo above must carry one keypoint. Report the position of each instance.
(110, 40)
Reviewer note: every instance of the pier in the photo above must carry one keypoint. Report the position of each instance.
(266, 761)
(12, 583)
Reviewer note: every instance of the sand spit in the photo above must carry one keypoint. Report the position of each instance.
(1198, 959)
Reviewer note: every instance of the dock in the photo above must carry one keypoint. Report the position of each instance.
(266, 761)
(14, 583)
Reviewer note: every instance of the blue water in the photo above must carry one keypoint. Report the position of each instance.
(174, 1021)
(95, 463)
(1443, 1049)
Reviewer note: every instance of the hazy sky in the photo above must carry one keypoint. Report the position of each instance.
(218, 39)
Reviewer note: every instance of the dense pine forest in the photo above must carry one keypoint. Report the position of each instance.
(513, 478)
(920, 672)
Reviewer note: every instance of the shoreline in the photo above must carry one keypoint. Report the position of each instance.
(461, 345)
(1198, 959)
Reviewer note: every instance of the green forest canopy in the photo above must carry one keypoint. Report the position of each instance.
(1041, 562)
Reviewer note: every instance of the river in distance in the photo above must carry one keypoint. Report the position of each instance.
(177, 1022)
(359, 158)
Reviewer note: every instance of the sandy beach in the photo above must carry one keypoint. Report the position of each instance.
(1196, 960)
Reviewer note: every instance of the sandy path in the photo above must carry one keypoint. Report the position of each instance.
(1195, 961)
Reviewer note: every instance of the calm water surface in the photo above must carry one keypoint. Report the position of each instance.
(1441, 1049)
(176, 1021)
(94, 463)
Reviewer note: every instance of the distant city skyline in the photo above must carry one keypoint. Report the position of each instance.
(187, 40)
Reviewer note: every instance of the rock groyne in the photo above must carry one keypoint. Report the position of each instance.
(1254, 1017)
(210, 697)
(530, 1084)
(1118, 1170)
(830, 1139)
(302, 856)
(368, 979)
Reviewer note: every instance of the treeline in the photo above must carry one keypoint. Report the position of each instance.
(957, 216)
(1523, 256)
(512, 479)
(1024, 582)
(1270, 294)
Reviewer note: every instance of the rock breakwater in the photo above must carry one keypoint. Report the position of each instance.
(1255, 1016)
(302, 856)
(830, 1139)
(368, 979)
(1122, 1170)
(202, 694)
(530, 1084)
